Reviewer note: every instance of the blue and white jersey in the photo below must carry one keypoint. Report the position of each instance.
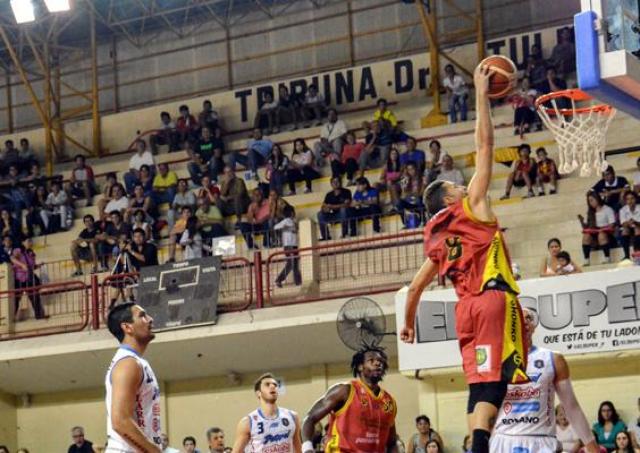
(528, 409)
(271, 435)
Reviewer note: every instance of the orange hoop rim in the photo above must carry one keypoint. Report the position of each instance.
(578, 96)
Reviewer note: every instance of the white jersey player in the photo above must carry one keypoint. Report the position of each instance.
(132, 391)
(526, 421)
(268, 429)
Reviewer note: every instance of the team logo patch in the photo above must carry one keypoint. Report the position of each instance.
(539, 364)
(483, 358)
(285, 422)
(454, 248)
(387, 407)
(364, 402)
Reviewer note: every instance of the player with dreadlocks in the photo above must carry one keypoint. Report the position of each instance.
(362, 415)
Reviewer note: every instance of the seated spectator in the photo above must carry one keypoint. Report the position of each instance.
(598, 229)
(417, 156)
(182, 198)
(140, 202)
(314, 105)
(6, 250)
(9, 157)
(189, 444)
(84, 248)
(107, 193)
(546, 172)
(219, 160)
(82, 181)
(565, 434)
(410, 204)
(23, 260)
(146, 180)
(26, 157)
(550, 265)
(267, 113)
(288, 108)
(630, 225)
(176, 230)
(288, 230)
(387, 119)
(56, 214)
(165, 444)
(624, 443)
(208, 190)
(563, 56)
(210, 218)
(523, 173)
(208, 117)
(234, 198)
(141, 157)
(277, 204)
(608, 425)
(349, 161)
(524, 111)
(119, 202)
(366, 203)
(166, 134)
(258, 151)
(116, 231)
(535, 72)
(565, 266)
(336, 208)
(187, 127)
(301, 167)
(34, 217)
(15, 195)
(142, 253)
(201, 154)
(35, 178)
(611, 187)
(391, 176)
(277, 166)
(164, 185)
(332, 137)
(215, 439)
(378, 142)
(256, 220)
(553, 83)
(191, 241)
(458, 94)
(420, 440)
(9, 225)
(140, 220)
(448, 172)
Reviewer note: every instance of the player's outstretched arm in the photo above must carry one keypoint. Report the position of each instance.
(297, 436)
(243, 435)
(427, 271)
(125, 379)
(331, 401)
(571, 406)
(479, 184)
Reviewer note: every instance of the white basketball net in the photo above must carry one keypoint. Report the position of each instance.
(580, 134)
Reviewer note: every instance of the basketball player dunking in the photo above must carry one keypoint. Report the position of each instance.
(526, 422)
(268, 429)
(133, 394)
(362, 414)
(464, 243)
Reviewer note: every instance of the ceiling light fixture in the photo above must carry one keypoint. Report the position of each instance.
(23, 11)
(56, 6)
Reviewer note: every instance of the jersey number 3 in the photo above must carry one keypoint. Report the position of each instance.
(260, 427)
(454, 248)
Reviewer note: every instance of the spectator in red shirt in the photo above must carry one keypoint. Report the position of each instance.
(524, 173)
(187, 126)
(82, 181)
(208, 190)
(522, 101)
(348, 161)
(256, 220)
(547, 172)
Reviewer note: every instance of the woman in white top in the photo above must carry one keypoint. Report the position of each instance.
(549, 265)
(191, 240)
(630, 223)
(598, 229)
(564, 432)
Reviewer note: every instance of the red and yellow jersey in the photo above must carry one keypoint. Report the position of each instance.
(364, 423)
(469, 251)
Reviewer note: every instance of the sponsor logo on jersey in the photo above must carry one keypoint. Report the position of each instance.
(539, 364)
(274, 424)
(519, 393)
(525, 419)
(520, 408)
(273, 438)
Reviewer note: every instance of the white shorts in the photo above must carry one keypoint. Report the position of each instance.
(522, 444)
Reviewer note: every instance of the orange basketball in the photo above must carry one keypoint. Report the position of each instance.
(505, 79)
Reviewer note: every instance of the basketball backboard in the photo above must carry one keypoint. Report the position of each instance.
(608, 52)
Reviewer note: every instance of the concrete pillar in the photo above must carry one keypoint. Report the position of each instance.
(309, 260)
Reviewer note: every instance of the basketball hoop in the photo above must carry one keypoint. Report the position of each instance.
(580, 130)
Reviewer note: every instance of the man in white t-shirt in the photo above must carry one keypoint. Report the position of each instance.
(332, 137)
(458, 93)
(630, 223)
(165, 444)
(141, 157)
(449, 173)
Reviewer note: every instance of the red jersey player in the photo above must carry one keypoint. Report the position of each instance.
(463, 242)
(362, 415)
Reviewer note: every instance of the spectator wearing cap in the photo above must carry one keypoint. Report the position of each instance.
(82, 181)
(166, 134)
(610, 188)
(301, 167)
(630, 225)
(336, 208)
(258, 151)
(366, 202)
(187, 126)
(164, 185)
(141, 157)
(267, 113)
(256, 220)
(332, 136)
(314, 105)
(458, 94)
(523, 173)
